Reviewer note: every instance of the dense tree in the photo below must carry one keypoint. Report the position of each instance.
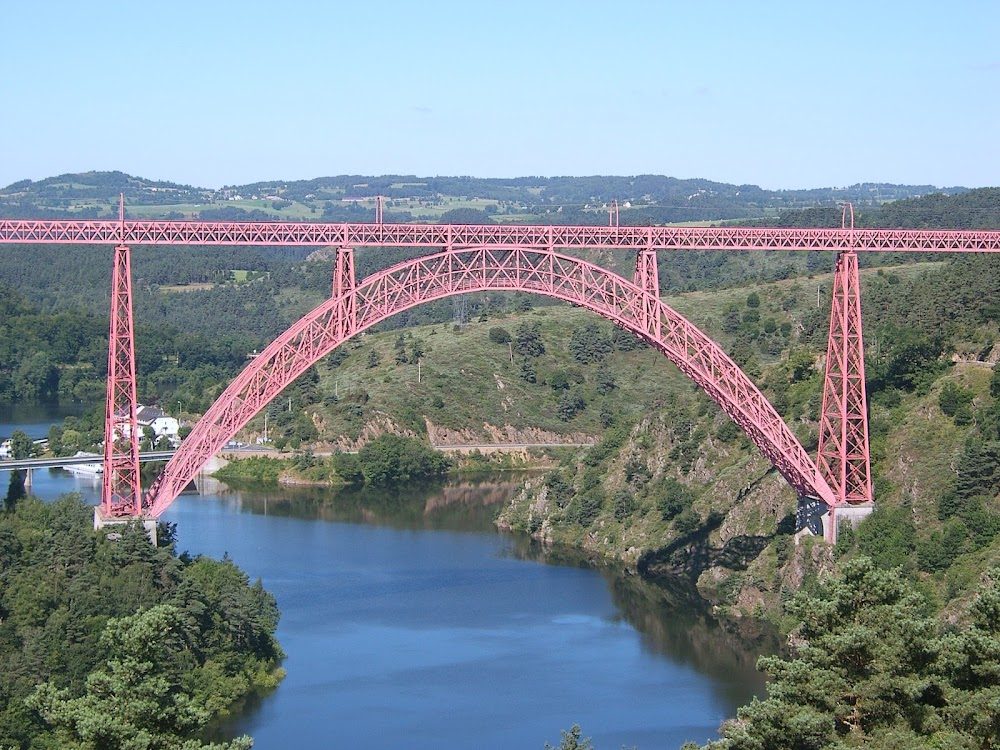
(588, 343)
(872, 668)
(138, 700)
(133, 646)
(21, 446)
(625, 341)
(391, 458)
(572, 739)
(527, 371)
(953, 399)
(906, 359)
(528, 340)
(674, 498)
(571, 403)
(978, 469)
(499, 335)
(604, 380)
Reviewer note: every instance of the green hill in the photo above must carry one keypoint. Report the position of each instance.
(672, 485)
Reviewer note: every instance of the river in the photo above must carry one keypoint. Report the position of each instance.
(409, 621)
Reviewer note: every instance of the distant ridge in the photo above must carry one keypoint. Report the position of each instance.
(641, 199)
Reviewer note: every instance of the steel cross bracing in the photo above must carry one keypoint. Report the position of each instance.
(843, 453)
(108, 232)
(121, 491)
(458, 271)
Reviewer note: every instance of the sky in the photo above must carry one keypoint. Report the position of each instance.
(778, 94)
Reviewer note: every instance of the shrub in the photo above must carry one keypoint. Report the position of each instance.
(500, 335)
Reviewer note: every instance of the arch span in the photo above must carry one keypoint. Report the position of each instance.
(354, 308)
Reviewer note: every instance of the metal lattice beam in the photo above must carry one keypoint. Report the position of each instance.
(459, 271)
(107, 232)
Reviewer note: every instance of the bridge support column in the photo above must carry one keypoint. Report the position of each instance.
(102, 521)
(849, 515)
(815, 518)
(844, 457)
(344, 283)
(121, 491)
(647, 278)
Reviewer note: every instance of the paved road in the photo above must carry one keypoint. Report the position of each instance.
(59, 462)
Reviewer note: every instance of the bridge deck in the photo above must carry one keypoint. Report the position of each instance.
(110, 232)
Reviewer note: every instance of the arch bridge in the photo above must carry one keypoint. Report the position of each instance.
(470, 258)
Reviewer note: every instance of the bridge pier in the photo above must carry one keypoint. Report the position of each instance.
(844, 514)
(815, 518)
(103, 521)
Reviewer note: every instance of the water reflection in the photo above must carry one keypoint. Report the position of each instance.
(468, 504)
(35, 418)
(673, 620)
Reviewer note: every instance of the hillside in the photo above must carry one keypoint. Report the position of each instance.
(642, 199)
(672, 485)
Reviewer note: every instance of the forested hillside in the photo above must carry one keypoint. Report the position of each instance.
(672, 485)
(108, 641)
(681, 492)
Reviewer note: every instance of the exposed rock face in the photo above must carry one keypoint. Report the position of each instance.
(381, 424)
(726, 542)
(444, 437)
(506, 434)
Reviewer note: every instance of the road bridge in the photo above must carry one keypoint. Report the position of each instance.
(61, 462)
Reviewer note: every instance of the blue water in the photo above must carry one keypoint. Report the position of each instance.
(410, 623)
(35, 419)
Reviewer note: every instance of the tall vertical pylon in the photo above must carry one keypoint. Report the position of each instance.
(343, 290)
(121, 493)
(647, 278)
(844, 455)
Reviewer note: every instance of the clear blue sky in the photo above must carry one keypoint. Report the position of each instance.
(779, 94)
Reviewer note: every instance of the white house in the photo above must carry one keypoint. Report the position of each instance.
(155, 419)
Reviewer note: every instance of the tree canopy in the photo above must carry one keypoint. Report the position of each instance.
(871, 667)
(109, 642)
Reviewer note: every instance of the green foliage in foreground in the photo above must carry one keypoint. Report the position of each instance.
(119, 644)
(572, 740)
(872, 668)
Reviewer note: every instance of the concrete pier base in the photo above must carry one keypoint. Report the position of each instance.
(102, 521)
(844, 514)
(814, 518)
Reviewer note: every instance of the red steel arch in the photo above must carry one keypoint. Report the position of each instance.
(356, 307)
